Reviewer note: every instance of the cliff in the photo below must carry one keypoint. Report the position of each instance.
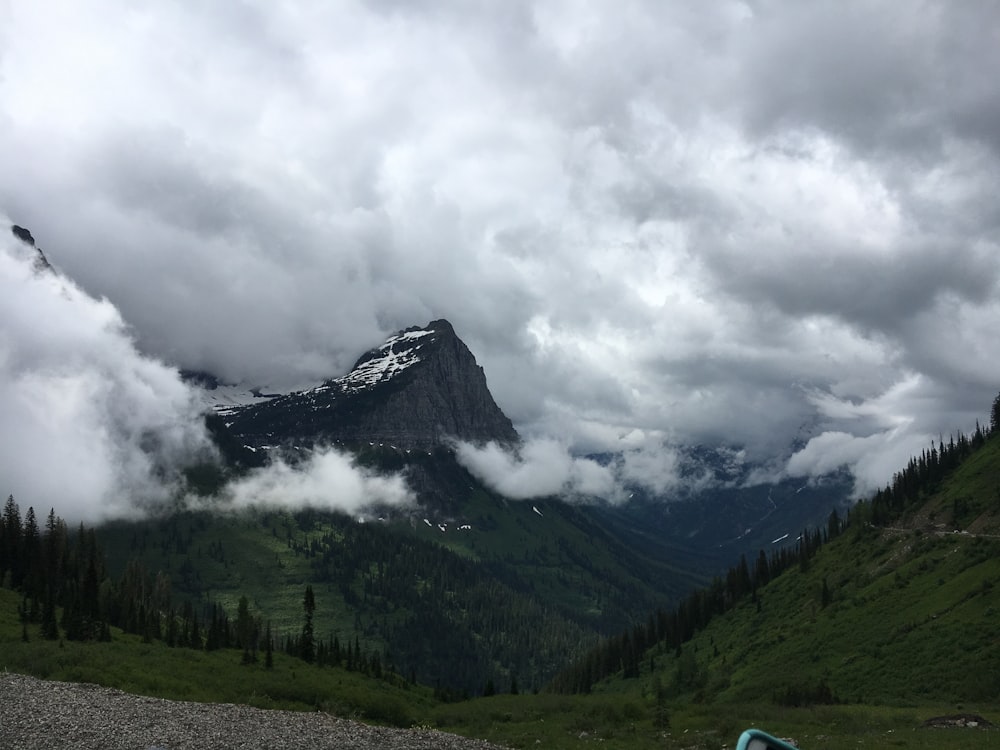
(419, 389)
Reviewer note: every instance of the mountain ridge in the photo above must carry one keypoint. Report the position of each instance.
(419, 389)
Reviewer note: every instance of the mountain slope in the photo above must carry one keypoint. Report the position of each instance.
(905, 612)
(458, 593)
(465, 579)
(420, 388)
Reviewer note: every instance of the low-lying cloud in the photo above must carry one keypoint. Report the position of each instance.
(874, 438)
(328, 480)
(542, 467)
(872, 459)
(539, 468)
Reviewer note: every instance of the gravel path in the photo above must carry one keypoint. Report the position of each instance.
(37, 714)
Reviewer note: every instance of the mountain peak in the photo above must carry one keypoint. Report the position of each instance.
(386, 361)
(421, 387)
(442, 325)
(23, 234)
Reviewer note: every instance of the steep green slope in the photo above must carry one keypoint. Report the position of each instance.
(569, 559)
(915, 620)
(968, 501)
(899, 614)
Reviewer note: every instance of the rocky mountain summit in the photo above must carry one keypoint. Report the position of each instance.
(421, 388)
(23, 234)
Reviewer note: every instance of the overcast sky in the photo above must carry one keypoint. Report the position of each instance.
(760, 222)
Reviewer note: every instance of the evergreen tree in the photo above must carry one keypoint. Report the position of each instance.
(55, 552)
(31, 557)
(307, 645)
(50, 628)
(172, 628)
(268, 648)
(244, 624)
(833, 525)
(10, 545)
(195, 641)
(762, 570)
(661, 718)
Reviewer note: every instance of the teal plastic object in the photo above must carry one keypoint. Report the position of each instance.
(755, 739)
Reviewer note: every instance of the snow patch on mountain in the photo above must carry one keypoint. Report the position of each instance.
(224, 399)
(398, 353)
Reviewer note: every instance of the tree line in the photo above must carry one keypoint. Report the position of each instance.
(59, 571)
(447, 621)
(444, 621)
(67, 592)
(924, 473)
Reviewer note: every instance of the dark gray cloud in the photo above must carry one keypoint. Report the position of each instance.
(878, 77)
(654, 223)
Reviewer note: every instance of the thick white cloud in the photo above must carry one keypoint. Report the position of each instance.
(656, 468)
(328, 480)
(642, 216)
(876, 437)
(91, 426)
(542, 467)
(873, 459)
(539, 468)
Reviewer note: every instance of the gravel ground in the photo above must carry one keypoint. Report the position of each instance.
(40, 714)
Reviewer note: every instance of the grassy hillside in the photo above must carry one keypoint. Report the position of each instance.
(969, 500)
(154, 669)
(902, 616)
(623, 719)
(910, 612)
(419, 604)
(911, 617)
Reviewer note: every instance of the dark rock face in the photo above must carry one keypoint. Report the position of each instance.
(23, 234)
(41, 262)
(419, 389)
